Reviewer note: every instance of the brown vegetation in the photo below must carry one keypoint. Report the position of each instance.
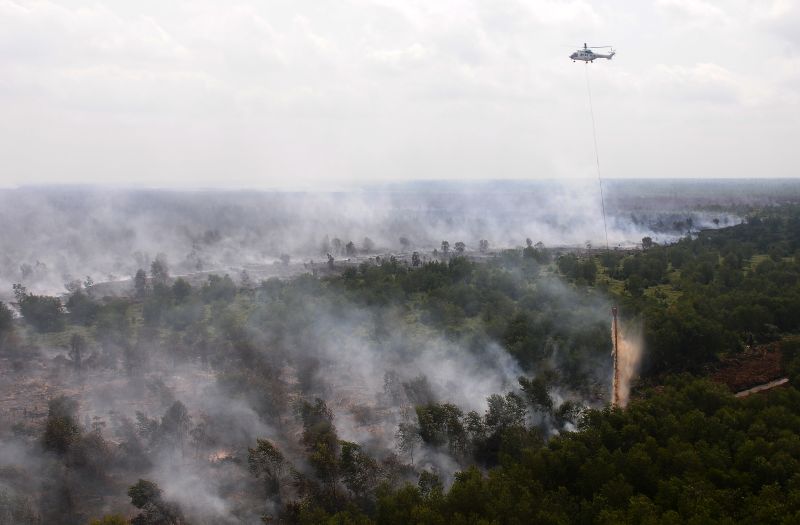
(755, 366)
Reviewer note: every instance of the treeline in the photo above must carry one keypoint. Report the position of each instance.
(686, 452)
(249, 335)
(706, 295)
(691, 453)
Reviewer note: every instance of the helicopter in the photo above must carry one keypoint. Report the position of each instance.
(587, 55)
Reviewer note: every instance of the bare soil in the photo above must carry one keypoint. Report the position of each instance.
(755, 366)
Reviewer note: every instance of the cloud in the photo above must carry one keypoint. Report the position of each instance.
(701, 83)
(250, 94)
(50, 33)
(691, 10)
(400, 57)
(555, 13)
(781, 19)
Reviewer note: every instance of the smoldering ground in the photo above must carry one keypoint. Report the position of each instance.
(128, 429)
(55, 235)
(182, 408)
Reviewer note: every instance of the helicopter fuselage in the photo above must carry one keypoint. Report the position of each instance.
(589, 56)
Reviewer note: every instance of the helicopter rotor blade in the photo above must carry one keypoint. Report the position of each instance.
(581, 46)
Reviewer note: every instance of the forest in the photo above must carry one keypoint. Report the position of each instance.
(459, 389)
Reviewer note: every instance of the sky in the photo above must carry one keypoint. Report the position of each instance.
(312, 94)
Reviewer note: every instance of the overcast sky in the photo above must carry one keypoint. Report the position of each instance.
(297, 93)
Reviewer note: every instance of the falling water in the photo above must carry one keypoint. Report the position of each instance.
(627, 352)
(615, 355)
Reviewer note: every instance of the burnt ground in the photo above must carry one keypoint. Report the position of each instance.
(755, 366)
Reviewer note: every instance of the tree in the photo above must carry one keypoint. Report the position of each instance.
(330, 262)
(445, 247)
(540, 254)
(147, 496)
(567, 412)
(146, 427)
(175, 424)
(6, 324)
(181, 290)
(44, 313)
(483, 246)
(6, 318)
(418, 390)
(82, 309)
(408, 438)
(369, 245)
(647, 243)
(77, 347)
(350, 249)
(588, 270)
(245, 281)
(505, 411)
(460, 247)
(537, 392)
(415, 259)
(144, 492)
(358, 470)
(159, 272)
(501, 430)
(61, 428)
(320, 439)
(429, 484)
(567, 264)
(635, 285)
(140, 284)
(682, 339)
(392, 387)
(441, 424)
(218, 288)
(266, 461)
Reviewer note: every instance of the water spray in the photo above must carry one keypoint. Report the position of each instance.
(615, 354)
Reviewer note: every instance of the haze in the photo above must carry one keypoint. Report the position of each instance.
(309, 94)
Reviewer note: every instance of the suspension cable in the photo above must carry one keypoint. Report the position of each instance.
(597, 155)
